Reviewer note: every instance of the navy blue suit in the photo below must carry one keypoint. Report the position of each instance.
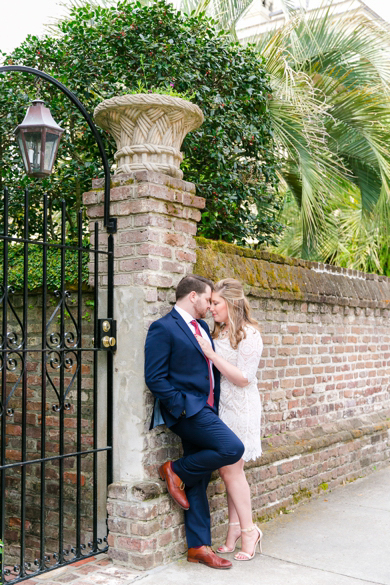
(177, 374)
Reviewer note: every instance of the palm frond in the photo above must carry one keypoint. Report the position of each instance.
(346, 71)
(68, 5)
(289, 8)
(194, 7)
(226, 13)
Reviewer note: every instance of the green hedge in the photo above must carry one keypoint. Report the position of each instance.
(35, 265)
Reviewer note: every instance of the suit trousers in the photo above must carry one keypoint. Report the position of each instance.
(208, 444)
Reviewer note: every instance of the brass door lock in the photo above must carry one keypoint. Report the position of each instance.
(108, 341)
(107, 334)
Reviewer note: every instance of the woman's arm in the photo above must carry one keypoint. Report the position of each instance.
(232, 373)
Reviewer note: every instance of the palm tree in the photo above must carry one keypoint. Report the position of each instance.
(331, 80)
(347, 64)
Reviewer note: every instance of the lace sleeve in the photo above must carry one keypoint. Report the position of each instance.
(249, 353)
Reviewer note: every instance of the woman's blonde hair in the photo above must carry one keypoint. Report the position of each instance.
(238, 309)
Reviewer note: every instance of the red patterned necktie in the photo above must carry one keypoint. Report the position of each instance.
(210, 400)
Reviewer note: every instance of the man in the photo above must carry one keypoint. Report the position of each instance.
(186, 389)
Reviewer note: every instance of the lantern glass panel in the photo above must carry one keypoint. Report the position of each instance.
(33, 142)
(21, 148)
(50, 150)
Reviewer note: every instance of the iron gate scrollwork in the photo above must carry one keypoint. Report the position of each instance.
(53, 465)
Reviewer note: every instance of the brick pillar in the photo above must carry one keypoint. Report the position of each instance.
(154, 248)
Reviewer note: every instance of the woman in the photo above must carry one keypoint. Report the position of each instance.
(238, 348)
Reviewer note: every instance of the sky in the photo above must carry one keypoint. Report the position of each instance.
(18, 18)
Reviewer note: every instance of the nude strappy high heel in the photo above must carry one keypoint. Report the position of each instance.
(224, 549)
(258, 542)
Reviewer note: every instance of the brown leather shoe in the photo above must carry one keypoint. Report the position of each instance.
(207, 556)
(174, 484)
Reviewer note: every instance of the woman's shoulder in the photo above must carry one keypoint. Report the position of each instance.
(252, 335)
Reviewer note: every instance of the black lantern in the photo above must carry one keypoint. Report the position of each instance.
(38, 137)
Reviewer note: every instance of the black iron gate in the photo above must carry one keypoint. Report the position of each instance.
(55, 459)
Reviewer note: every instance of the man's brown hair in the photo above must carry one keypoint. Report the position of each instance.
(192, 282)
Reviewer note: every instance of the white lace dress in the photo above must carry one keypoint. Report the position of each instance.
(240, 408)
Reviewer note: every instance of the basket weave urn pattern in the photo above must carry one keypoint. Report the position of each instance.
(149, 130)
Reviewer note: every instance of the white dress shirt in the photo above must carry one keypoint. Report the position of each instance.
(188, 318)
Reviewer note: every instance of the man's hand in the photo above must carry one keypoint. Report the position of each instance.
(205, 347)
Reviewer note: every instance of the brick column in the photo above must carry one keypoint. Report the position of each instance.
(154, 248)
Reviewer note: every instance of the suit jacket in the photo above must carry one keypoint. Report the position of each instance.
(176, 370)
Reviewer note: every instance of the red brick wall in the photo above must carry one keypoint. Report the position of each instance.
(324, 381)
(321, 363)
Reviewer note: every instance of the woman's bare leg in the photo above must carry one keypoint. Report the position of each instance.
(240, 509)
(234, 532)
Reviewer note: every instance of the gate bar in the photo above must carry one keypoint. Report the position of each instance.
(95, 383)
(24, 390)
(4, 371)
(43, 403)
(110, 357)
(54, 457)
(62, 391)
(48, 244)
(79, 382)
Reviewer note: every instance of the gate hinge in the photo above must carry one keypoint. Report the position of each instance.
(107, 334)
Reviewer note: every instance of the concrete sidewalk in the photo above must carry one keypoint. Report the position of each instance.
(339, 538)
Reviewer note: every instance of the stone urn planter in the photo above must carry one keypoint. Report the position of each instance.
(149, 130)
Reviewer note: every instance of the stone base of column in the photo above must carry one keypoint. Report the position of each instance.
(145, 526)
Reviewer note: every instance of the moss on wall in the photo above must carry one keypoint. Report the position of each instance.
(269, 275)
(254, 268)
